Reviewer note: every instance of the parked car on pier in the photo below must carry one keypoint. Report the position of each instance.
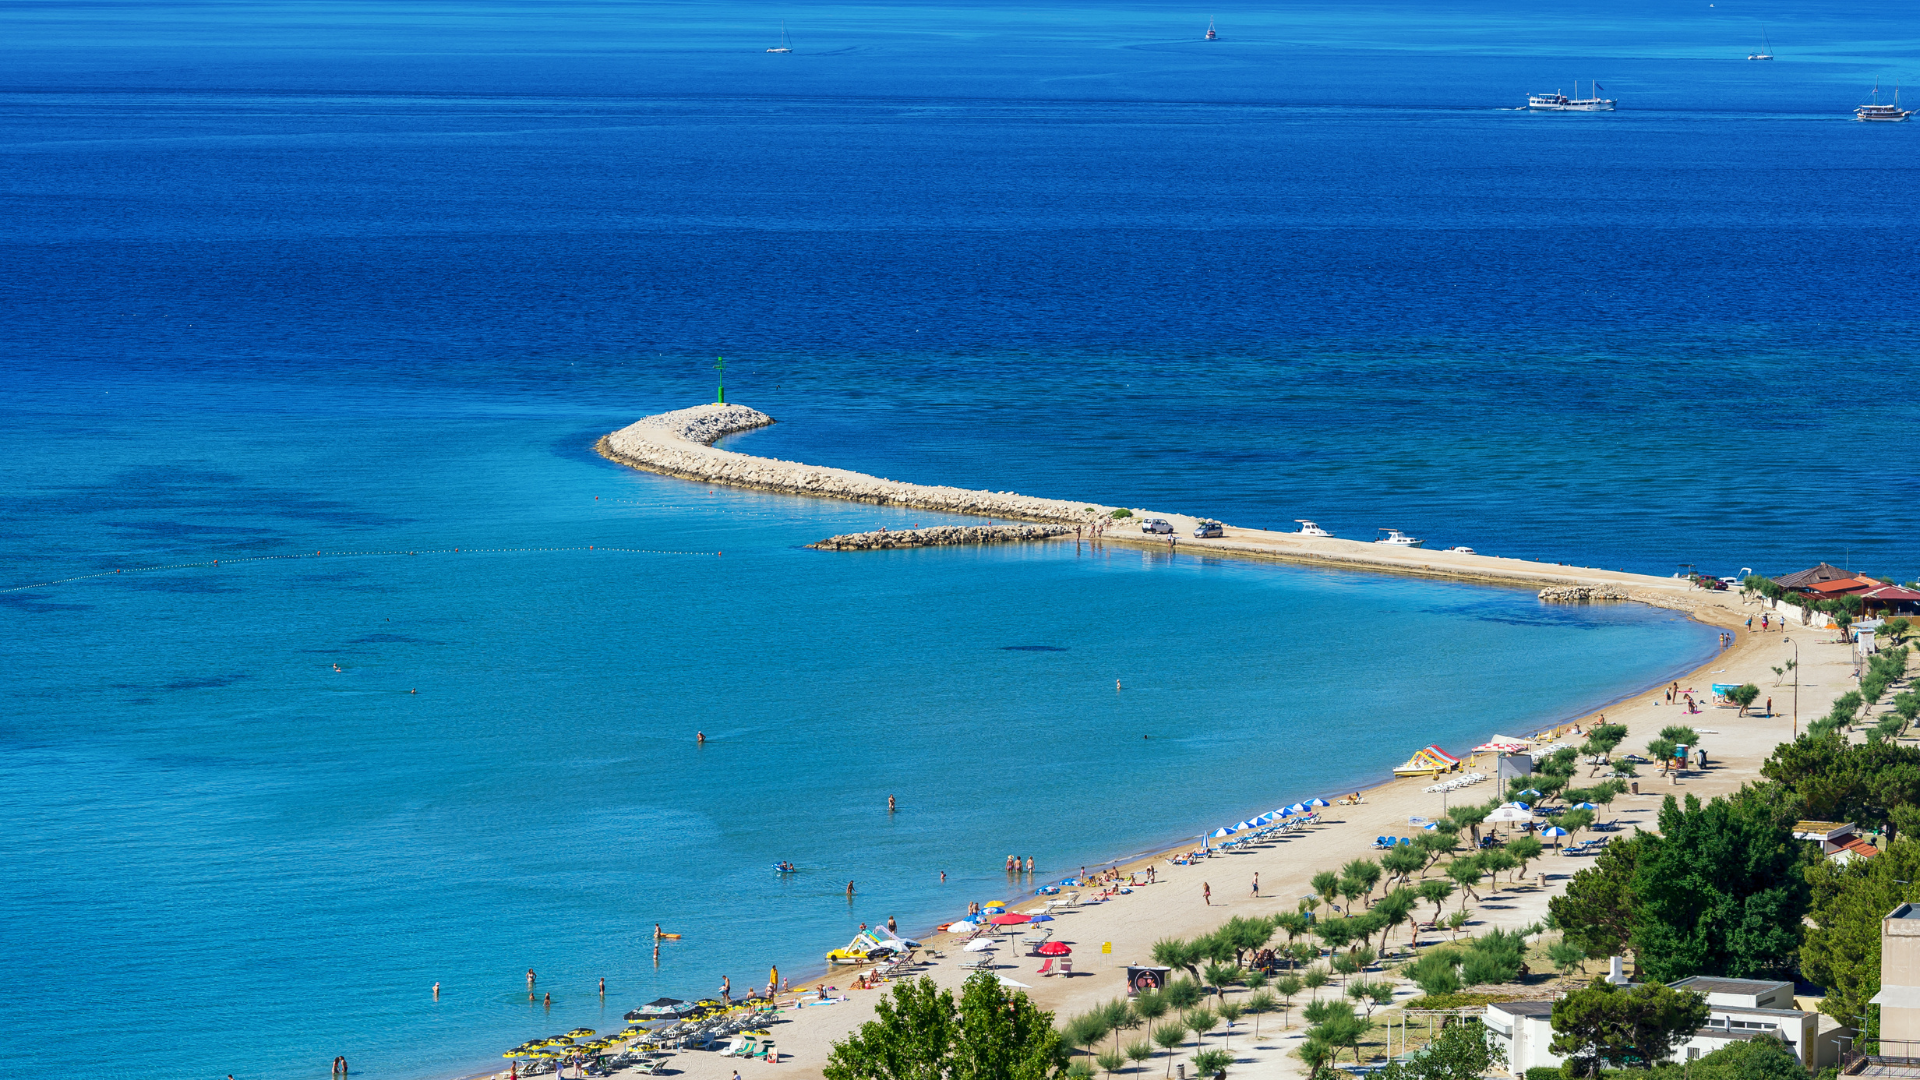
(1209, 528)
(1156, 525)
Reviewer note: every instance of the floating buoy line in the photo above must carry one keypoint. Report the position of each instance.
(348, 555)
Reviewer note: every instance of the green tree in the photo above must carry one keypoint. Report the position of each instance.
(1599, 909)
(1288, 987)
(1461, 1051)
(1765, 1057)
(1176, 953)
(1435, 842)
(1364, 871)
(1743, 696)
(1170, 1035)
(1466, 873)
(1211, 1063)
(1605, 1023)
(1326, 885)
(1720, 892)
(1257, 1003)
(1317, 1054)
(1110, 1061)
(1436, 893)
(1826, 778)
(1494, 860)
(1525, 849)
(1230, 1012)
(1139, 1053)
(1842, 947)
(920, 1035)
(1436, 973)
(1566, 956)
(1395, 909)
(1402, 862)
(1183, 993)
(1314, 978)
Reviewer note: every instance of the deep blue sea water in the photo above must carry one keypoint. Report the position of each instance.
(357, 279)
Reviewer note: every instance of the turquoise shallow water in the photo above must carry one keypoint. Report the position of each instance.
(216, 835)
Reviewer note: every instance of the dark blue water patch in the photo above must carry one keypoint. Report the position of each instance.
(1033, 648)
(204, 682)
(391, 639)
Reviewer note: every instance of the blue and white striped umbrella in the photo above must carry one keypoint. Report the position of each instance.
(1584, 806)
(1227, 831)
(1316, 801)
(1553, 830)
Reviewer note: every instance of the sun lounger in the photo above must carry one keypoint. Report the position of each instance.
(979, 963)
(1046, 968)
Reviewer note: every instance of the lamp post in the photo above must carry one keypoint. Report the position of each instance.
(1796, 685)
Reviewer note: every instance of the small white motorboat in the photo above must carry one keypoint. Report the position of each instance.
(1396, 538)
(1461, 550)
(1308, 528)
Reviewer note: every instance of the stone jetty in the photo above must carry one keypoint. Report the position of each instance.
(1582, 594)
(940, 536)
(679, 444)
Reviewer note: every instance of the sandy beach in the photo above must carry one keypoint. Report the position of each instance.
(1107, 936)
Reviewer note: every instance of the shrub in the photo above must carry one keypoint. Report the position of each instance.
(1117, 514)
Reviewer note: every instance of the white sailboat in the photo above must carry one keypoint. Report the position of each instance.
(1211, 34)
(1766, 48)
(785, 45)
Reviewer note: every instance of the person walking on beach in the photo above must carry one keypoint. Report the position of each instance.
(1256, 883)
(1206, 893)
(1769, 706)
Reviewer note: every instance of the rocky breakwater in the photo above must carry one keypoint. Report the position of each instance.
(1582, 594)
(940, 536)
(679, 444)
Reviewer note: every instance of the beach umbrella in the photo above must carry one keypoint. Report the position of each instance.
(1043, 918)
(978, 945)
(1227, 831)
(1053, 948)
(961, 928)
(1004, 981)
(1584, 806)
(996, 903)
(1298, 808)
(1511, 813)
(1531, 793)
(1316, 801)
(580, 1033)
(1553, 830)
(1010, 919)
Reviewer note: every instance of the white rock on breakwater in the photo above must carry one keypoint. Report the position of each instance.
(676, 443)
(939, 536)
(1580, 594)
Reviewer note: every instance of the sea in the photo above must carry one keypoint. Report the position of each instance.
(338, 666)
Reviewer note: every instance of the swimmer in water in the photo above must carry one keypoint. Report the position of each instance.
(700, 737)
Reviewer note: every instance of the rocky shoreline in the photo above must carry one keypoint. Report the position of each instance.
(1581, 594)
(940, 536)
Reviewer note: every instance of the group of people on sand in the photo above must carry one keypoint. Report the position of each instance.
(1675, 695)
(1767, 623)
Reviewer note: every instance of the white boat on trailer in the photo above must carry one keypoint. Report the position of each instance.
(1559, 102)
(1308, 528)
(1396, 538)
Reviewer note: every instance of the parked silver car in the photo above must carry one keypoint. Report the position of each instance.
(1156, 525)
(1209, 528)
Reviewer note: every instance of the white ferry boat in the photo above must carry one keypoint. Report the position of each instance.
(1396, 538)
(1308, 528)
(1559, 102)
(1884, 113)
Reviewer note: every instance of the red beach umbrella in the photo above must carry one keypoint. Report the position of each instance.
(1010, 919)
(1053, 948)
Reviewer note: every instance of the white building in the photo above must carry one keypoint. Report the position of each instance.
(1738, 1009)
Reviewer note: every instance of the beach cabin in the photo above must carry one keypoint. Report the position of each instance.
(1839, 841)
